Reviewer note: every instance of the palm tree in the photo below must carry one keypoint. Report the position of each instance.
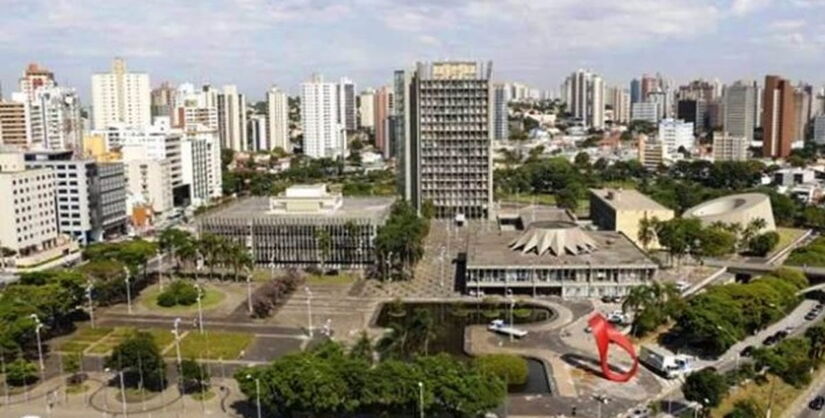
(210, 247)
(324, 244)
(242, 260)
(647, 231)
(753, 228)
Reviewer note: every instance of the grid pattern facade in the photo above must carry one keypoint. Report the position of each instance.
(565, 281)
(293, 242)
(32, 226)
(452, 137)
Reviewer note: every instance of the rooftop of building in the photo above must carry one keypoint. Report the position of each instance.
(373, 208)
(621, 199)
(494, 249)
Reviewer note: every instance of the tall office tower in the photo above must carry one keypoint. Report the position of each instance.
(585, 98)
(619, 100)
(635, 91)
(29, 222)
(818, 106)
(14, 122)
(277, 116)
(90, 196)
(195, 109)
(778, 117)
(256, 133)
(121, 96)
(759, 94)
(54, 117)
(819, 129)
(645, 111)
(34, 78)
(347, 110)
(698, 90)
(715, 114)
(450, 138)
(201, 161)
(727, 147)
(501, 126)
(802, 106)
(694, 111)
(382, 110)
(232, 119)
(366, 109)
(323, 135)
(648, 84)
(676, 135)
(163, 100)
(738, 116)
(400, 131)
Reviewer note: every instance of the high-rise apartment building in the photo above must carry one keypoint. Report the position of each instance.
(618, 100)
(277, 116)
(163, 100)
(201, 161)
(121, 96)
(635, 91)
(347, 110)
(382, 110)
(34, 78)
(693, 111)
(676, 135)
(400, 131)
(323, 135)
(14, 122)
(450, 138)
(819, 129)
(29, 222)
(195, 109)
(727, 147)
(803, 96)
(501, 127)
(366, 109)
(256, 133)
(646, 111)
(738, 119)
(54, 119)
(778, 117)
(647, 85)
(149, 182)
(585, 98)
(232, 119)
(698, 90)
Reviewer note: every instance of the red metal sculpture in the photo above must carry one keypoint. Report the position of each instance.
(605, 334)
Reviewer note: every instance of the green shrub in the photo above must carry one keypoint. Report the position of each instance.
(763, 244)
(510, 368)
(178, 292)
(21, 372)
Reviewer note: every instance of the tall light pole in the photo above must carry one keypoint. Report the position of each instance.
(442, 258)
(37, 327)
(128, 289)
(176, 333)
(89, 288)
(421, 399)
(160, 268)
(512, 305)
(309, 311)
(257, 393)
(200, 307)
(249, 291)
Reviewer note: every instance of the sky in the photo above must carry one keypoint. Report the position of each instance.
(257, 43)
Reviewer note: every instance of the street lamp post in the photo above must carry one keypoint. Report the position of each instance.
(128, 289)
(123, 394)
(421, 399)
(38, 326)
(257, 393)
(309, 311)
(249, 292)
(602, 400)
(89, 287)
(200, 307)
(442, 258)
(176, 333)
(160, 269)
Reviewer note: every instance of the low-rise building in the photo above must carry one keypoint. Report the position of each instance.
(727, 147)
(285, 230)
(676, 135)
(545, 253)
(623, 210)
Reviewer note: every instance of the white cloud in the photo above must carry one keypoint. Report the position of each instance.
(743, 7)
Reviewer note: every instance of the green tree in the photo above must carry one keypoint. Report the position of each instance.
(194, 376)
(816, 335)
(508, 367)
(71, 365)
(763, 244)
(706, 387)
(362, 349)
(323, 240)
(647, 231)
(746, 408)
(21, 373)
(139, 358)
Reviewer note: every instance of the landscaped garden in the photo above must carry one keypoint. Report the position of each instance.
(212, 345)
(180, 296)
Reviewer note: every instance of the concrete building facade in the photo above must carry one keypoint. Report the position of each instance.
(277, 118)
(778, 117)
(676, 134)
(727, 147)
(738, 115)
(121, 96)
(232, 119)
(29, 221)
(323, 135)
(585, 98)
(623, 210)
(501, 125)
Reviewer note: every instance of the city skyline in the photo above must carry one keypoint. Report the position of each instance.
(285, 42)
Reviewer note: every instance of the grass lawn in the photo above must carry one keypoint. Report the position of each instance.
(203, 396)
(783, 396)
(212, 298)
(163, 337)
(620, 184)
(82, 339)
(341, 278)
(786, 237)
(214, 345)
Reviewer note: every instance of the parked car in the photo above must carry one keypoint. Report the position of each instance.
(747, 351)
(810, 316)
(771, 340)
(780, 335)
(817, 403)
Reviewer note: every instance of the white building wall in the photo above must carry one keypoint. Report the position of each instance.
(278, 119)
(29, 221)
(121, 96)
(323, 135)
(676, 134)
(366, 109)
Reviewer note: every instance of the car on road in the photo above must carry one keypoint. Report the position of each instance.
(810, 316)
(747, 351)
(771, 340)
(817, 403)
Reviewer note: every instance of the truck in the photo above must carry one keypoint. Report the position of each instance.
(664, 362)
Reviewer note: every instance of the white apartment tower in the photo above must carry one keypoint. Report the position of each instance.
(256, 133)
(585, 98)
(195, 109)
(323, 135)
(676, 134)
(54, 117)
(277, 117)
(121, 96)
(35, 77)
(366, 109)
(232, 119)
(738, 116)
